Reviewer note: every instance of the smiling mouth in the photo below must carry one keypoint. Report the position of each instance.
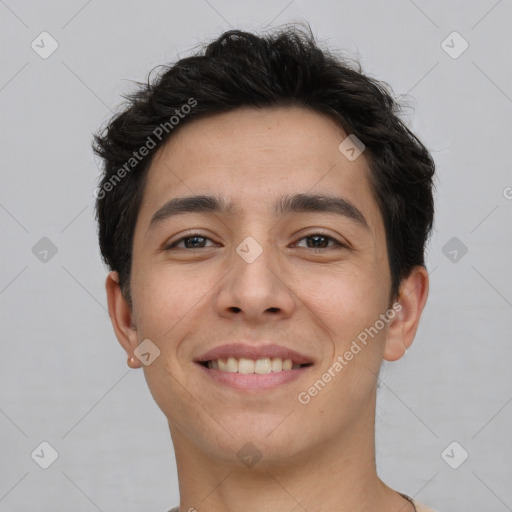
(247, 366)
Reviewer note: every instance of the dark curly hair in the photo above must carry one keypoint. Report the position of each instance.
(283, 68)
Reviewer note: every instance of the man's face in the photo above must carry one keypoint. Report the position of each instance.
(308, 281)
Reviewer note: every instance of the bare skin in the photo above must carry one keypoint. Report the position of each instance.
(308, 294)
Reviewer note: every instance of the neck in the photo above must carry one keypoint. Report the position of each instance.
(338, 474)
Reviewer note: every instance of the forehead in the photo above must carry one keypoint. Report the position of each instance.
(253, 156)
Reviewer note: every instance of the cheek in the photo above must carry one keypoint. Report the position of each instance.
(349, 292)
(163, 297)
(345, 303)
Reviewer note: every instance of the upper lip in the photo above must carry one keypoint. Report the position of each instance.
(239, 350)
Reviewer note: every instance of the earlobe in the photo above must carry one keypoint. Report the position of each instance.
(121, 316)
(402, 329)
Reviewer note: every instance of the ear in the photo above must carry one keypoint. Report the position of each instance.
(121, 317)
(412, 298)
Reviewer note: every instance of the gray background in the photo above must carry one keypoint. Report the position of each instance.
(64, 378)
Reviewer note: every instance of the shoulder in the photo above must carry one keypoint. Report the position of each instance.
(420, 507)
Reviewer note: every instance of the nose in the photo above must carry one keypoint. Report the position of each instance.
(256, 290)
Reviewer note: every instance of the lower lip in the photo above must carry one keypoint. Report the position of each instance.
(254, 381)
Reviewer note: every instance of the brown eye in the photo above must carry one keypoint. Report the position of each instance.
(320, 241)
(193, 241)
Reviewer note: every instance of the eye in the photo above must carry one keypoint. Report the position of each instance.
(191, 241)
(319, 239)
(197, 241)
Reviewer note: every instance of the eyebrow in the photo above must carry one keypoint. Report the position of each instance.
(297, 203)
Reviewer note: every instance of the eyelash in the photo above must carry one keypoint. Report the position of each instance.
(199, 235)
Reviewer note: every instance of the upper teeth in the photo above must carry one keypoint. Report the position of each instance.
(244, 365)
